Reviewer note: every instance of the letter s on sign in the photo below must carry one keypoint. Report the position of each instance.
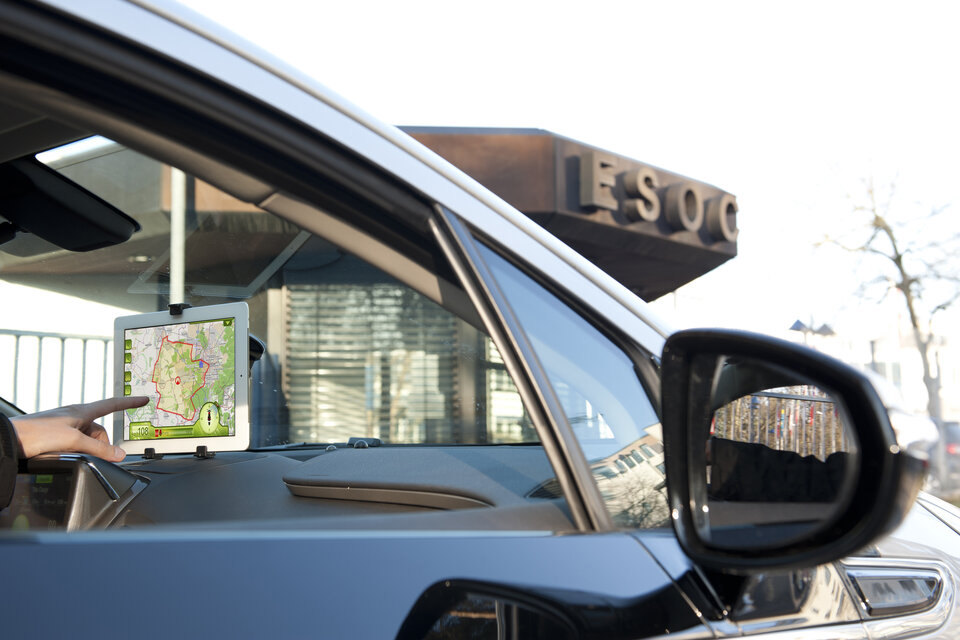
(640, 185)
(722, 218)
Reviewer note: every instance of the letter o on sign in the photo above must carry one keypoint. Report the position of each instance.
(683, 207)
(722, 218)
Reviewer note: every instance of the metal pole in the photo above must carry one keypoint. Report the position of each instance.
(16, 361)
(178, 217)
(63, 350)
(105, 343)
(36, 398)
(83, 375)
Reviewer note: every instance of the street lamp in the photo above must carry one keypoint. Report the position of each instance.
(823, 330)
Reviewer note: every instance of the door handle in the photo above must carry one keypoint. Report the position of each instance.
(887, 591)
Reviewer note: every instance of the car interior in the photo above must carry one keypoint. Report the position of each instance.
(378, 399)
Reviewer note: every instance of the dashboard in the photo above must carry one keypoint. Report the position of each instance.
(406, 487)
(69, 491)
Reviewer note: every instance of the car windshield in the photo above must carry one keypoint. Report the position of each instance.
(350, 351)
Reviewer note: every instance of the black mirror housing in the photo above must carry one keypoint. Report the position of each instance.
(704, 369)
(42, 202)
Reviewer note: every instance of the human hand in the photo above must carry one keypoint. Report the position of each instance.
(72, 428)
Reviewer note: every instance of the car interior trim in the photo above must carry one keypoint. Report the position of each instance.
(426, 499)
(98, 491)
(381, 255)
(46, 100)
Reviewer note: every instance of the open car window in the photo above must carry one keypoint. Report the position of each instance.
(351, 351)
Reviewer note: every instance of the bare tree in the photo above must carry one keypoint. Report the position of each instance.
(916, 257)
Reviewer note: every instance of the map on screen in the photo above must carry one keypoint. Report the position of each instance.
(188, 370)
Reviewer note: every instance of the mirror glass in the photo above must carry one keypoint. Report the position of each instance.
(779, 457)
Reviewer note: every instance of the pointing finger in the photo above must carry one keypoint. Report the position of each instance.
(100, 408)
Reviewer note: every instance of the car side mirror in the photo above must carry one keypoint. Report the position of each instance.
(777, 456)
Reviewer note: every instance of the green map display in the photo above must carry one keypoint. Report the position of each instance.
(187, 371)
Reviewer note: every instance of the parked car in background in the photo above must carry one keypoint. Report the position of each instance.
(950, 433)
(459, 426)
(943, 478)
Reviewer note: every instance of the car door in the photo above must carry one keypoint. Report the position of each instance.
(593, 370)
(288, 583)
(613, 439)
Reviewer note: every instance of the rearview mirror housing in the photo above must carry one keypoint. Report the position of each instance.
(58, 211)
(777, 456)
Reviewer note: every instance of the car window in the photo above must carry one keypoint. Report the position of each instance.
(604, 401)
(350, 350)
(483, 617)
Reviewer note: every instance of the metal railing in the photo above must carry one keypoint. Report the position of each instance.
(77, 358)
(803, 420)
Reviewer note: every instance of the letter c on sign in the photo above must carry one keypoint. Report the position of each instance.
(722, 218)
(683, 207)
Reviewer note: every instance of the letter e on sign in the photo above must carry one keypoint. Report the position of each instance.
(597, 179)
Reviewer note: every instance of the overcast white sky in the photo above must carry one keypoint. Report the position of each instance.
(789, 108)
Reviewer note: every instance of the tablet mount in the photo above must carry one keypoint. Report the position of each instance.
(200, 454)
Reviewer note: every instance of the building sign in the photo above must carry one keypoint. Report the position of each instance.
(639, 194)
(652, 229)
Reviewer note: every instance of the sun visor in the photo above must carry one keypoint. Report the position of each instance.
(40, 201)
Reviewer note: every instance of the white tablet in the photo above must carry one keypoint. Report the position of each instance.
(193, 367)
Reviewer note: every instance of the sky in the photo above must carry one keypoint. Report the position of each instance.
(791, 108)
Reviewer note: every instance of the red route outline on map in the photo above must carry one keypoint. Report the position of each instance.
(153, 376)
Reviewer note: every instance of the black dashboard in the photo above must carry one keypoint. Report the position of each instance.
(406, 487)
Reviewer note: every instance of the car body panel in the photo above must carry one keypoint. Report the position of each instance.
(338, 585)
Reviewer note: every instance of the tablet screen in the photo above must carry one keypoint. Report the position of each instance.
(188, 370)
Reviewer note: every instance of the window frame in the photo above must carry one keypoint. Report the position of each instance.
(289, 157)
(574, 472)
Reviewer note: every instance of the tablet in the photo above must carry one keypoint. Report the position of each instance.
(193, 367)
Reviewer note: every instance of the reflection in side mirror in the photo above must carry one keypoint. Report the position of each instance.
(779, 464)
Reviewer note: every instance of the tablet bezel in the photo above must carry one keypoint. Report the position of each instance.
(241, 317)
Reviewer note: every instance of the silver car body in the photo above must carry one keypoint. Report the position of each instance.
(362, 584)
